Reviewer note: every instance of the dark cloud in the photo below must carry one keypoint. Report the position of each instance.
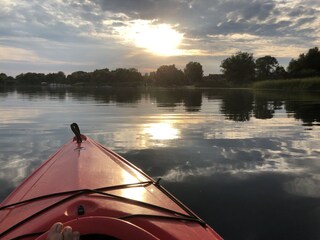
(258, 10)
(126, 6)
(248, 9)
(306, 20)
(301, 10)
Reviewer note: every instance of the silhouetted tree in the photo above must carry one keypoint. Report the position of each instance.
(58, 77)
(78, 77)
(280, 73)
(3, 77)
(193, 72)
(101, 77)
(31, 78)
(267, 67)
(126, 75)
(239, 68)
(149, 78)
(307, 65)
(169, 75)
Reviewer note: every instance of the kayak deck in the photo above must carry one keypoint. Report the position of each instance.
(87, 185)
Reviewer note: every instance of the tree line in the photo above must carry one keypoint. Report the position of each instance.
(240, 68)
(243, 68)
(166, 75)
(98, 77)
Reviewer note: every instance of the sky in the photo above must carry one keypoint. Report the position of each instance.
(84, 35)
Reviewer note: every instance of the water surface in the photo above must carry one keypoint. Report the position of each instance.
(246, 162)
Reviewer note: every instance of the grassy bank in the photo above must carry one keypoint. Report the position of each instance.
(310, 84)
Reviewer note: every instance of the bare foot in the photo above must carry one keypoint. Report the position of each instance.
(58, 232)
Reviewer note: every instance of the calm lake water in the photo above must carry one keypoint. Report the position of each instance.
(246, 162)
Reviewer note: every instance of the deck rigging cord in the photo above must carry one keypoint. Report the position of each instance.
(76, 193)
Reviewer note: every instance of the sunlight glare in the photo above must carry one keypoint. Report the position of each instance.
(136, 193)
(162, 131)
(160, 39)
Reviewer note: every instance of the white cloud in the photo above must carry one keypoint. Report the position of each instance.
(210, 30)
(17, 54)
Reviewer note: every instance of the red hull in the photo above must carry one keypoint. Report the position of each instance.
(96, 191)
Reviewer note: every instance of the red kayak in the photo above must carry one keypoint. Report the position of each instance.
(100, 194)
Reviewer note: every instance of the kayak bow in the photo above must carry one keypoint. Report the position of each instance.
(100, 194)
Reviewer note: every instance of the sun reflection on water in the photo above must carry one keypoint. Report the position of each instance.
(161, 131)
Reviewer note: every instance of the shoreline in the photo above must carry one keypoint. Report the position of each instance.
(297, 84)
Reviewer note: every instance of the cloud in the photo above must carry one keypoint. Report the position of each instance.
(17, 54)
(86, 31)
(305, 185)
(259, 18)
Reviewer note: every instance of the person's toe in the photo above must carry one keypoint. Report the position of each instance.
(55, 231)
(67, 233)
(76, 235)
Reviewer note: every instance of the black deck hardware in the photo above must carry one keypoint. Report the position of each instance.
(76, 130)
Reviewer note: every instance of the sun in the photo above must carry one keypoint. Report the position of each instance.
(159, 39)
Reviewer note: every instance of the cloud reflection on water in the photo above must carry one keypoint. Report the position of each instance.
(255, 164)
(221, 157)
(305, 185)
